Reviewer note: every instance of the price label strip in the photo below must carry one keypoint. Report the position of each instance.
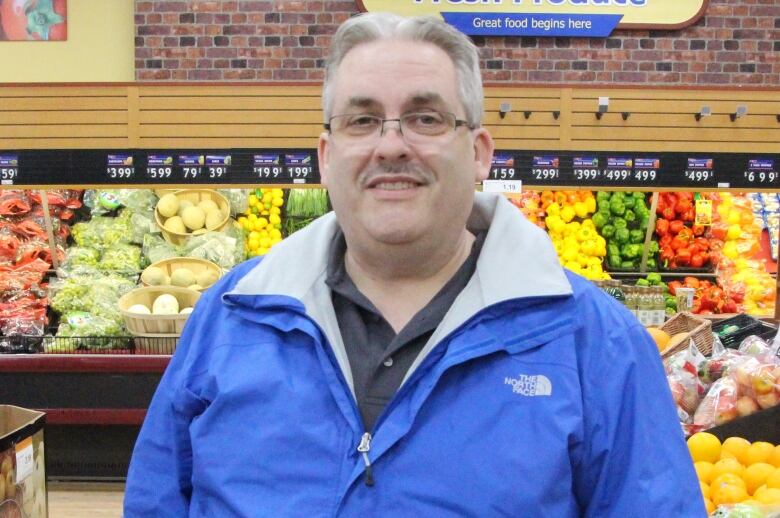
(191, 166)
(217, 167)
(159, 167)
(299, 167)
(646, 170)
(267, 167)
(9, 169)
(586, 168)
(761, 172)
(502, 168)
(120, 167)
(545, 168)
(618, 170)
(700, 171)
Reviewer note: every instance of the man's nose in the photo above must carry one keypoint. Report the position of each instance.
(391, 144)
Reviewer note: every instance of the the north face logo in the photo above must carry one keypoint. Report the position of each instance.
(537, 385)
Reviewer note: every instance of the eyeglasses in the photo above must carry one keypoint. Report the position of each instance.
(413, 126)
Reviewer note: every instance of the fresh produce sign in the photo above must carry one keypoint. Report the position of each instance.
(9, 169)
(33, 20)
(299, 167)
(267, 167)
(120, 167)
(503, 167)
(217, 167)
(159, 167)
(545, 168)
(761, 172)
(586, 168)
(191, 166)
(701, 171)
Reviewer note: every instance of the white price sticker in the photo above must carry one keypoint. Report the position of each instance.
(24, 460)
(503, 186)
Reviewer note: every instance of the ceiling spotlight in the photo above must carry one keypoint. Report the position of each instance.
(503, 109)
(603, 107)
(741, 112)
(705, 111)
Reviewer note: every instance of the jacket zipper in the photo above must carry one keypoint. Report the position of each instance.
(363, 448)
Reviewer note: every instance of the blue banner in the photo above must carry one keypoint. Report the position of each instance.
(527, 24)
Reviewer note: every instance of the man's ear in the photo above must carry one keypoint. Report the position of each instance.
(322, 157)
(483, 152)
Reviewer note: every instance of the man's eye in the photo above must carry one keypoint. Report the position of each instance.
(361, 121)
(424, 119)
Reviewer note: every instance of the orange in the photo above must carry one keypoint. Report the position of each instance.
(660, 336)
(774, 459)
(727, 466)
(773, 480)
(759, 451)
(705, 489)
(704, 471)
(737, 447)
(769, 495)
(727, 479)
(756, 474)
(729, 494)
(704, 446)
(709, 505)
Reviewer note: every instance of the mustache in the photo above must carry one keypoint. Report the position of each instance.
(415, 172)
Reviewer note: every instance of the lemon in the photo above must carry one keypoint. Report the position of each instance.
(729, 494)
(253, 243)
(703, 468)
(759, 451)
(248, 225)
(277, 202)
(262, 251)
(274, 219)
(265, 242)
(704, 446)
(275, 210)
(773, 480)
(727, 466)
(274, 233)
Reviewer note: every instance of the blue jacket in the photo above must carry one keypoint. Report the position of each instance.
(538, 395)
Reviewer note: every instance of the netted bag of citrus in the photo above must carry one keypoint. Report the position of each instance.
(262, 221)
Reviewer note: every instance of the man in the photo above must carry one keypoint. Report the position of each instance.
(419, 353)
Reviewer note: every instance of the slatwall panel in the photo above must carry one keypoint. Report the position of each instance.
(664, 120)
(166, 116)
(41, 117)
(229, 117)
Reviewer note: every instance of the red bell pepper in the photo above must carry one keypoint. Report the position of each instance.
(697, 261)
(702, 242)
(662, 227)
(691, 282)
(683, 205)
(673, 285)
(676, 226)
(683, 257)
(678, 243)
(698, 230)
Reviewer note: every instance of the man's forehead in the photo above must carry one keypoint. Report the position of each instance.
(413, 99)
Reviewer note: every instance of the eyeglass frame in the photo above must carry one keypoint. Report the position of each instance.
(457, 122)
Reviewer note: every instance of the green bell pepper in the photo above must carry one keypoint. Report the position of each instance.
(613, 249)
(629, 216)
(628, 265)
(620, 223)
(614, 261)
(629, 202)
(653, 247)
(617, 207)
(603, 206)
(622, 235)
(602, 196)
(654, 278)
(607, 231)
(636, 236)
(631, 251)
(600, 219)
(651, 263)
(642, 282)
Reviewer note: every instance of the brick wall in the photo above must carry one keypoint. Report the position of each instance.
(737, 42)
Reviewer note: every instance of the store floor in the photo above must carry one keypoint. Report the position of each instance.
(80, 499)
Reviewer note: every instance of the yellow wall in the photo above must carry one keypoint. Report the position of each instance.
(100, 48)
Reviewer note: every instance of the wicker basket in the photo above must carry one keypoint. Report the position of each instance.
(151, 343)
(698, 329)
(195, 196)
(140, 324)
(193, 264)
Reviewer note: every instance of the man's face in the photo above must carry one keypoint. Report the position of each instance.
(388, 190)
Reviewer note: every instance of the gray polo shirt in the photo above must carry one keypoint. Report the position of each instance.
(378, 357)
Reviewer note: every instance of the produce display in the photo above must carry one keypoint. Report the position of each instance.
(730, 383)
(304, 206)
(738, 479)
(191, 213)
(682, 244)
(708, 298)
(262, 221)
(622, 219)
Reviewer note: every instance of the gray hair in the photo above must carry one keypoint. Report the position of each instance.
(369, 27)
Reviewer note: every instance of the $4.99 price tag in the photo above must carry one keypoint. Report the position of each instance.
(24, 459)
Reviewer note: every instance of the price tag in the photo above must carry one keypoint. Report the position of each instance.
(24, 459)
(545, 168)
(646, 170)
(760, 172)
(299, 167)
(502, 168)
(618, 169)
(9, 169)
(191, 166)
(502, 186)
(267, 167)
(703, 212)
(159, 167)
(217, 166)
(586, 169)
(120, 167)
(700, 171)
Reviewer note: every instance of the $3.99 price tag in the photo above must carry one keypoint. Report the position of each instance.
(24, 459)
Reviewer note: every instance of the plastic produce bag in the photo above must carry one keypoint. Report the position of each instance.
(719, 405)
(719, 362)
(82, 328)
(758, 382)
(238, 199)
(81, 256)
(121, 258)
(155, 248)
(223, 248)
(682, 375)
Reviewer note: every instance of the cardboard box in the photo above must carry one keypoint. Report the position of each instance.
(22, 473)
